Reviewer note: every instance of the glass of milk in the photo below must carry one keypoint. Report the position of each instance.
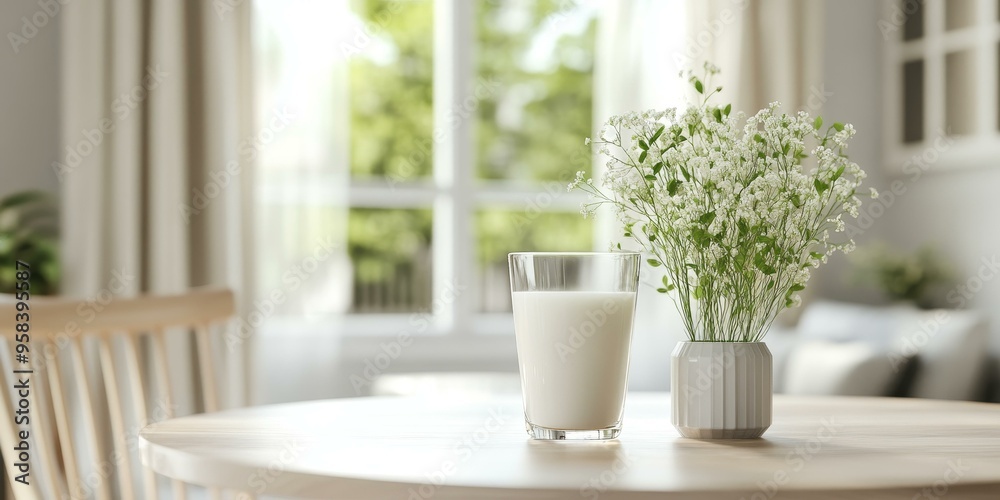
(573, 326)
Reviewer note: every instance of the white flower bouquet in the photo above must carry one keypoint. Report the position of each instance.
(736, 211)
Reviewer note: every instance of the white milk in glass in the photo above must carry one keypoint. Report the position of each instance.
(573, 351)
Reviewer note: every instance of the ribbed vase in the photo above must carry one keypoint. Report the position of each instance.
(721, 389)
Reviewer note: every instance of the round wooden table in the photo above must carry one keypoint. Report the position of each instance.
(417, 449)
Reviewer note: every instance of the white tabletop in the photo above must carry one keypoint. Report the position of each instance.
(414, 449)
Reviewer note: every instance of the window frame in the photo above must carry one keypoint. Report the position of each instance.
(454, 194)
(950, 152)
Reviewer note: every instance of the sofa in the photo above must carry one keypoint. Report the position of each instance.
(839, 348)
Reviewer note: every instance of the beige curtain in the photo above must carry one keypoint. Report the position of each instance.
(155, 103)
(769, 50)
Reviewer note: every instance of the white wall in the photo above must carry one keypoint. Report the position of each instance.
(954, 211)
(29, 107)
(29, 101)
(852, 72)
(958, 212)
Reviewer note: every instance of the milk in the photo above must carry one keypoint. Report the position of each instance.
(573, 351)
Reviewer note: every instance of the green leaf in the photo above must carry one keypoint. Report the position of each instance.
(653, 262)
(619, 246)
(642, 157)
(650, 177)
(785, 148)
(662, 290)
(818, 122)
(672, 186)
(717, 113)
(796, 200)
(758, 138)
(816, 255)
(698, 86)
(763, 266)
(665, 282)
(698, 292)
(707, 218)
(837, 174)
(656, 135)
(657, 168)
(740, 260)
(643, 145)
(729, 107)
(839, 127)
(652, 237)
(797, 288)
(701, 237)
(820, 186)
(684, 171)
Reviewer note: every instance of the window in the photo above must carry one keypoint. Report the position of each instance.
(941, 85)
(428, 140)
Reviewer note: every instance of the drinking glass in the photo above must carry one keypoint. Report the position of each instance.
(573, 315)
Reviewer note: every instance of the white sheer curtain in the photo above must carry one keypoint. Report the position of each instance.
(640, 50)
(304, 275)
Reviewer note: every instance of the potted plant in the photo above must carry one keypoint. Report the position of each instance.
(28, 232)
(736, 211)
(910, 278)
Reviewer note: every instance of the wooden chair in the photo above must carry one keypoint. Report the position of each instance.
(64, 426)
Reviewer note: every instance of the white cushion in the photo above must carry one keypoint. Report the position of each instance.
(950, 346)
(840, 321)
(952, 350)
(820, 367)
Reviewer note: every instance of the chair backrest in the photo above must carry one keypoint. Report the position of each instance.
(66, 416)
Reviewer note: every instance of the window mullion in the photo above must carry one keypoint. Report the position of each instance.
(454, 265)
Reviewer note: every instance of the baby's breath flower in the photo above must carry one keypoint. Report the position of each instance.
(738, 221)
